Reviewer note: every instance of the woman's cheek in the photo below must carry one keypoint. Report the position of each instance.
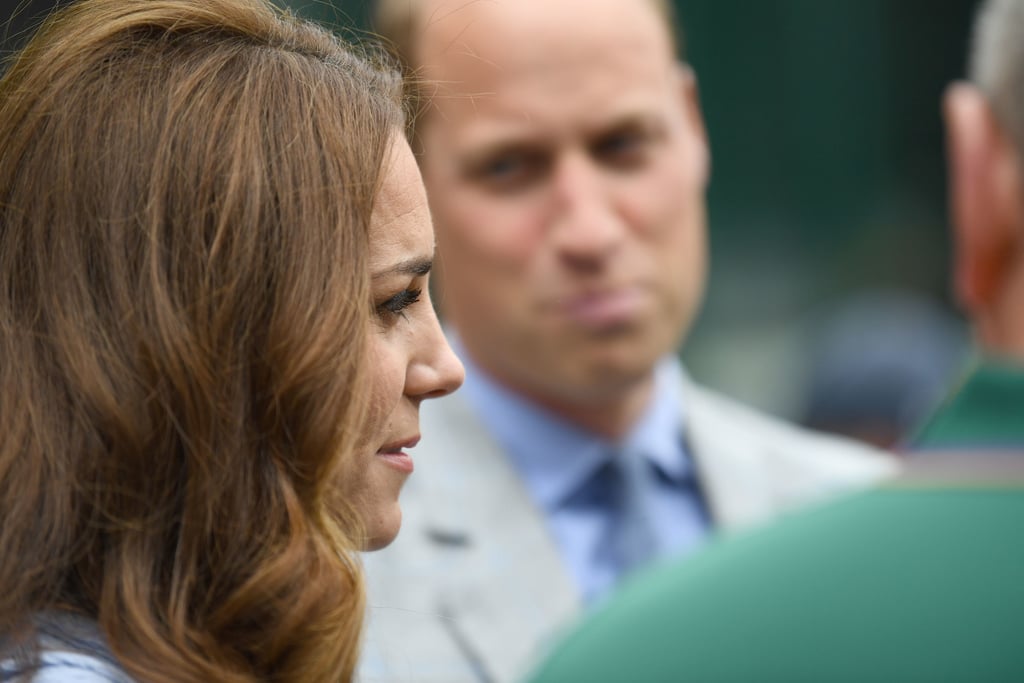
(387, 374)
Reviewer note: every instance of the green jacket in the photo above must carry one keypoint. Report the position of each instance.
(921, 579)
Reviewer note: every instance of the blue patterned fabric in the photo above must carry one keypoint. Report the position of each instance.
(558, 461)
(71, 650)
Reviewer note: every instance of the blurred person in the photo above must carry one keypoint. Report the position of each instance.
(214, 247)
(916, 580)
(566, 162)
(881, 360)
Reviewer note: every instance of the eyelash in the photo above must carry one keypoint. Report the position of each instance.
(396, 305)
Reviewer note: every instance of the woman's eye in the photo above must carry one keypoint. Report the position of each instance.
(396, 305)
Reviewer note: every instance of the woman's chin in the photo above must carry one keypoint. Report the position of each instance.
(382, 529)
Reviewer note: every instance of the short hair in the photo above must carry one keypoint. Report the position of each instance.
(399, 23)
(185, 195)
(996, 62)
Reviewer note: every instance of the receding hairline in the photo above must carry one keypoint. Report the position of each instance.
(400, 23)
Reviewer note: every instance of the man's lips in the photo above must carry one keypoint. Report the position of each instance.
(604, 309)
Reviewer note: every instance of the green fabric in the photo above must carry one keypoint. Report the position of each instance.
(986, 412)
(789, 603)
(902, 583)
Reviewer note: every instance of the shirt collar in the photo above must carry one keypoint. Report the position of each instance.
(554, 456)
(983, 412)
(660, 433)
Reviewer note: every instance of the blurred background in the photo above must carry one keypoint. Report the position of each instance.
(829, 301)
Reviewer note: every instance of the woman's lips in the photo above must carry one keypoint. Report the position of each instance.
(394, 454)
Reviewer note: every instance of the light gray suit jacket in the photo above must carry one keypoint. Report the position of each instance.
(474, 588)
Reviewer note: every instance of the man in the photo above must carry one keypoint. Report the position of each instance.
(565, 158)
(919, 579)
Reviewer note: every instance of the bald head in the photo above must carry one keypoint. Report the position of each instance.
(468, 50)
(402, 21)
(412, 26)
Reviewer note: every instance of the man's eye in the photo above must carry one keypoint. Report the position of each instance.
(503, 167)
(396, 305)
(625, 149)
(509, 172)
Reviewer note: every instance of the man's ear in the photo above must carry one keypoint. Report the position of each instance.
(985, 197)
(690, 95)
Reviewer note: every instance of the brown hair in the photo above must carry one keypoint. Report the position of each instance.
(185, 193)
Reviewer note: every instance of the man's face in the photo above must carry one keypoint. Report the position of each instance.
(566, 164)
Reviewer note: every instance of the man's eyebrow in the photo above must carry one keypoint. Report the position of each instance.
(415, 266)
(528, 142)
(627, 120)
(495, 148)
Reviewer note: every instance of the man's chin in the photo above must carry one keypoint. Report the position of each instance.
(599, 383)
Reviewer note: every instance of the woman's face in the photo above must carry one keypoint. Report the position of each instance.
(410, 360)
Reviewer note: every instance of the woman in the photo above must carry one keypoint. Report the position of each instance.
(215, 336)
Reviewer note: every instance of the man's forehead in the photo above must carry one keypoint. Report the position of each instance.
(430, 13)
(496, 33)
(531, 66)
(487, 129)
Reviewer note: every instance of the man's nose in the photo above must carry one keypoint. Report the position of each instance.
(586, 228)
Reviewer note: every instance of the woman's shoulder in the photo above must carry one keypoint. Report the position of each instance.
(57, 666)
(71, 649)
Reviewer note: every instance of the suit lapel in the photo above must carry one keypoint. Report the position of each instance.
(754, 467)
(734, 472)
(510, 582)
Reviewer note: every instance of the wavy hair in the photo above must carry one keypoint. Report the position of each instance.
(185, 194)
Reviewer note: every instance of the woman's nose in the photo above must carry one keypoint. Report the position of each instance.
(438, 372)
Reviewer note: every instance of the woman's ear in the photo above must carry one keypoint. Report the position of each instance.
(985, 197)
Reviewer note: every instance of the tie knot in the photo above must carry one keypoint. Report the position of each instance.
(615, 495)
(610, 484)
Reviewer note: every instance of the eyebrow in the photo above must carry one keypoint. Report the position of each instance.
(517, 141)
(414, 266)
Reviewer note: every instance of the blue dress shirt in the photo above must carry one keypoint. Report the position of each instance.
(556, 458)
